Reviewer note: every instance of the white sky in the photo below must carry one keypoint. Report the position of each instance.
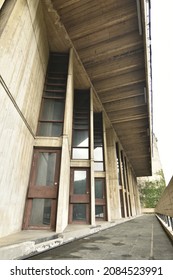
(162, 65)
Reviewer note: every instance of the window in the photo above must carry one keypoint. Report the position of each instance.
(81, 125)
(123, 170)
(118, 165)
(6, 8)
(98, 142)
(53, 103)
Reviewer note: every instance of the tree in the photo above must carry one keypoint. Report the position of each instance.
(150, 191)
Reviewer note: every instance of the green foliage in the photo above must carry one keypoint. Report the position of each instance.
(150, 191)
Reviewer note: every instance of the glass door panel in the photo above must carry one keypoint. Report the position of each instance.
(79, 212)
(100, 211)
(40, 212)
(80, 182)
(99, 188)
(45, 175)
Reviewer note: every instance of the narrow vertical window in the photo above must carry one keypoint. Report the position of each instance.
(98, 142)
(53, 102)
(118, 165)
(81, 125)
(6, 8)
(123, 170)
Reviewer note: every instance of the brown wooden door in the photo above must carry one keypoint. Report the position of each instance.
(100, 199)
(79, 196)
(41, 204)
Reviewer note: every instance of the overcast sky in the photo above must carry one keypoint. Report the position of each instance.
(162, 65)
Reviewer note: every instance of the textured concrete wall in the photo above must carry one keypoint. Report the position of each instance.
(165, 204)
(113, 198)
(23, 62)
(23, 58)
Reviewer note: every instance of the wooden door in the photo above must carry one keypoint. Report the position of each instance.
(100, 199)
(79, 196)
(41, 204)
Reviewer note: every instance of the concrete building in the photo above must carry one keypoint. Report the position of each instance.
(156, 165)
(75, 112)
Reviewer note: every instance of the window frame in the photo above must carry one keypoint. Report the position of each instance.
(80, 115)
(99, 131)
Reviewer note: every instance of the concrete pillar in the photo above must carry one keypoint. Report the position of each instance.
(125, 185)
(24, 55)
(64, 183)
(106, 170)
(92, 159)
(137, 198)
(133, 207)
(122, 180)
(136, 195)
(113, 200)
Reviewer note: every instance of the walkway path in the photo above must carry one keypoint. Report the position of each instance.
(139, 239)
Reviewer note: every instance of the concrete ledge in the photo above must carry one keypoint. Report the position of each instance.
(148, 210)
(20, 247)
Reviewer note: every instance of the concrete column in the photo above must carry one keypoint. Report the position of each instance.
(136, 195)
(128, 186)
(122, 179)
(92, 159)
(137, 198)
(64, 183)
(131, 191)
(68, 115)
(106, 171)
(24, 56)
(113, 200)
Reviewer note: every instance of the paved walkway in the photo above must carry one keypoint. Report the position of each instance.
(139, 239)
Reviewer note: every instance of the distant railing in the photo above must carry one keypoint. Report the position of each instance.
(164, 209)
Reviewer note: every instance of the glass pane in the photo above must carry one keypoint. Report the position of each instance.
(98, 154)
(80, 177)
(80, 153)
(55, 79)
(80, 138)
(58, 64)
(79, 212)
(99, 211)
(55, 94)
(52, 110)
(41, 212)
(98, 166)
(80, 126)
(55, 87)
(45, 169)
(99, 188)
(50, 129)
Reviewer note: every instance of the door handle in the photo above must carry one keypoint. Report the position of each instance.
(55, 183)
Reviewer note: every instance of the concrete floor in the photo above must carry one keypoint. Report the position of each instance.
(142, 238)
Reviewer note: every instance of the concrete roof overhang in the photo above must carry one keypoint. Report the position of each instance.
(110, 43)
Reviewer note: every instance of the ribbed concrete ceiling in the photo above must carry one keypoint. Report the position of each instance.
(106, 37)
